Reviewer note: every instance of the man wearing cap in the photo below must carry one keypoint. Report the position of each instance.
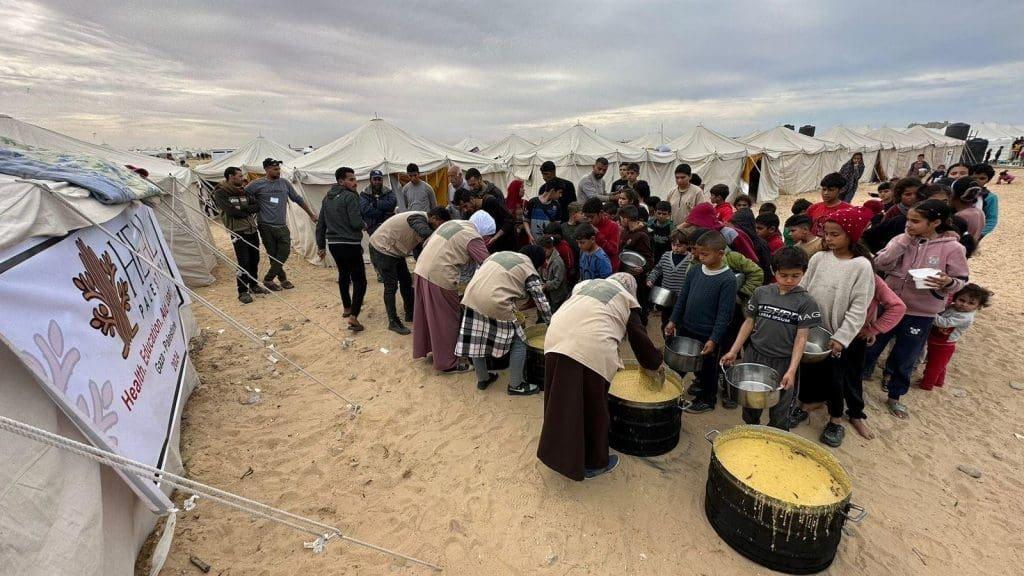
(547, 172)
(376, 202)
(238, 210)
(272, 194)
(593, 185)
(416, 195)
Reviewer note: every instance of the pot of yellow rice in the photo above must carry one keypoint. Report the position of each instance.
(645, 417)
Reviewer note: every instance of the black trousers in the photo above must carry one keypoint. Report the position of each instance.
(278, 242)
(836, 381)
(709, 369)
(247, 252)
(351, 274)
(394, 272)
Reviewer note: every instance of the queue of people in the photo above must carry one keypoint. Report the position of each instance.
(746, 286)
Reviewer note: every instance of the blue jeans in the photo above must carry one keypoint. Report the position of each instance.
(517, 362)
(910, 335)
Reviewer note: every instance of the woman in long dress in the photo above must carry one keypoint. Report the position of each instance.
(580, 360)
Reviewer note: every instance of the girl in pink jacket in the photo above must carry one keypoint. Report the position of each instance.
(884, 313)
(930, 241)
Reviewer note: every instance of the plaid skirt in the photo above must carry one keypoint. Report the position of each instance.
(480, 336)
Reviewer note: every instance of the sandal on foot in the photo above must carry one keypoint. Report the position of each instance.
(898, 410)
(833, 435)
(797, 416)
(523, 389)
(491, 377)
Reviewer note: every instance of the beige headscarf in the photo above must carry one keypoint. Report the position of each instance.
(627, 281)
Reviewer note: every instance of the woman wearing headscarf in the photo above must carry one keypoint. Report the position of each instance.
(436, 310)
(743, 219)
(580, 360)
(852, 171)
(489, 326)
(514, 196)
(704, 215)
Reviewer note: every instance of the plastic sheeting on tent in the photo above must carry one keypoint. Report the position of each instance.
(945, 150)
(901, 151)
(853, 141)
(716, 157)
(376, 145)
(469, 144)
(792, 163)
(61, 513)
(509, 146)
(195, 260)
(249, 158)
(575, 150)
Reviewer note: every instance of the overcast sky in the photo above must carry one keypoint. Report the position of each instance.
(215, 73)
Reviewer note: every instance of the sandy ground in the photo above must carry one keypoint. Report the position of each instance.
(436, 469)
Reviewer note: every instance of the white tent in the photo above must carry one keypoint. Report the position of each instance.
(945, 150)
(652, 141)
(249, 158)
(792, 163)
(575, 150)
(851, 142)
(469, 144)
(511, 145)
(61, 513)
(376, 145)
(901, 150)
(716, 157)
(195, 261)
(997, 135)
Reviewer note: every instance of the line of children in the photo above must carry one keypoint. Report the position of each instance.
(948, 328)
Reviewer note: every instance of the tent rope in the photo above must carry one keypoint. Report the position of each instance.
(323, 532)
(223, 315)
(277, 296)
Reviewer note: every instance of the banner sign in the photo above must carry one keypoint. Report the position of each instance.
(101, 330)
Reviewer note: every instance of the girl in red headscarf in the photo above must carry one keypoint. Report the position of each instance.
(514, 195)
(704, 215)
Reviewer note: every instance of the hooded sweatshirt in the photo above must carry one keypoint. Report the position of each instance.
(905, 253)
(340, 221)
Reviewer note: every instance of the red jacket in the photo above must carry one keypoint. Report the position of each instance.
(819, 212)
(566, 253)
(776, 243)
(608, 240)
(724, 211)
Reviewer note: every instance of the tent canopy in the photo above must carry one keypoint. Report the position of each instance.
(511, 145)
(582, 143)
(852, 140)
(379, 145)
(781, 140)
(469, 144)
(651, 141)
(898, 140)
(249, 158)
(702, 142)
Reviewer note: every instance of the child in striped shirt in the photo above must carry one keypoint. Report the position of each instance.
(671, 269)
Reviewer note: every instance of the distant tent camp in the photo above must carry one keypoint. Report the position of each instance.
(376, 145)
(792, 163)
(507, 147)
(901, 151)
(652, 141)
(575, 150)
(998, 135)
(852, 142)
(194, 259)
(716, 157)
(469, 144)
(249, 158)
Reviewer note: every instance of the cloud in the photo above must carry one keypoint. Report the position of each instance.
(201, 73)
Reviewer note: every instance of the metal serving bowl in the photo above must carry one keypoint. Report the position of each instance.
(755, 385)
(631, 259)
(683, 354)
(662, 297)
(817, 348)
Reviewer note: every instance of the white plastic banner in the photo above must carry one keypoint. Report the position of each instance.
(101, 330)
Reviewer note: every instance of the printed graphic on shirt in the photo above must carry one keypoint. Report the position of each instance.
(783, 315)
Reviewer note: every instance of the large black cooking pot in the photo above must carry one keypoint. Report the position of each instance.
(782, 536)
(533, 373)
(646, 428)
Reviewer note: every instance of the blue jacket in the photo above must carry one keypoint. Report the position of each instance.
(595, 265)
(990, 206)
(375, 209)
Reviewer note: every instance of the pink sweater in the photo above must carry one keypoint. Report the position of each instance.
(905, 253)
(893, 310)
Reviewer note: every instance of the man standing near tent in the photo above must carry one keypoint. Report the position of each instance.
(416, 195)
(272, 195)
(376, 202)
(238, 210)
(593, 185)
(475, 181)
(685, 195)
(547, 172)
(455, 183)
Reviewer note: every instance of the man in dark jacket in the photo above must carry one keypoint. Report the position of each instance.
(376, 202)
(340, 229)
(547, 173)
(238, 210)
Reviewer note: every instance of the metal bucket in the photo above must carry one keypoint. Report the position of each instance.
(533, 372)
(817, 348)
(755, 385)
(662, 297)
(683, 354)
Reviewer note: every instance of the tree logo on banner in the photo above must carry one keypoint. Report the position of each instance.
(99, 282)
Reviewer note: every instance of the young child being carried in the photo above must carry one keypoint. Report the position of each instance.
(778, 319)
(948, 328)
